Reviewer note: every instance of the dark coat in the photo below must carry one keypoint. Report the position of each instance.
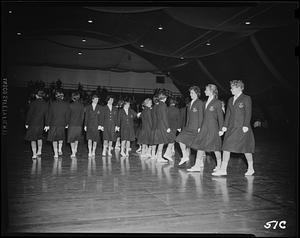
(145, 133)
(161, 136)
(92, 121)
(126, 124)
(208, 139)
(36, 119)
(193, 123)
(238, 116)
(109, 120)
(76, 118)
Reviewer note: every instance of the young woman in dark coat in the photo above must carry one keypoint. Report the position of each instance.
(239, 136)
(154, 126)
(76, 118)
(209, 138)
(162, 131)
(125, 123)
(174, 123)
(193, 123)
(109, 120)
(92, 125)
(144, 137)
(57, 121)
(35, 122)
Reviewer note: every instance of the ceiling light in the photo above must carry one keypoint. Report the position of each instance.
(90, 21)
(207, 43)
(19, 33)
(181, 57)
(83, 40)
(80, 53)
(142, 46)
(9, 11)
(247, 22)
(160, 28)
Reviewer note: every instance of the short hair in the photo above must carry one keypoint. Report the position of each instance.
(162, 94)
(155, 99)
(196, 89)
(75, 96)
(172, 100)
(95, 95)
(214, 89)
(237, 83)
(146, 101)
(59, 94)
(40, 93)
(109, 97)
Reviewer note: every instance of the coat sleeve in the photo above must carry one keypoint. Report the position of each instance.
(68, 114)
(82, 114)
(86, 116)
(45, 112)
(163, 112)
(49, 115)
(248, 111)
(200, 114)
(99, 116)
(177, 116)
(119, 118)
(29, 114)
(227, 115)
(220, 115)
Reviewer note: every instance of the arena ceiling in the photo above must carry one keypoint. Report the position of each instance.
(199, 43)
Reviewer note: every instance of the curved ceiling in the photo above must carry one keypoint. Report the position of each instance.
(208, 41)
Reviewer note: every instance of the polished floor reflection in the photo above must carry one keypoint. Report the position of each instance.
(129, 195)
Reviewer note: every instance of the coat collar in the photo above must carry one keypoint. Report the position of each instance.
(212, 101)
(237, 99)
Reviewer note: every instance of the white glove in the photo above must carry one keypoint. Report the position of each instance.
(139, 114)
(245, 129)
(67, 126)
(168, 130)
(26, 126)
(221, 133)
(198, 130)
(85, 128)
(46, 128)
(117, 128)
(99, 128)
(224, 128)
(179, 130)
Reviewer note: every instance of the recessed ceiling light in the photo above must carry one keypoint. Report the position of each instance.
(9, 11)
(247, 22)
(83, 40)
(142, 46)
(207, 43)
(181, 57)
(80, 53)
(90, 21)
(160, 28)
(19, 33)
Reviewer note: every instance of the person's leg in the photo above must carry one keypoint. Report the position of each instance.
(33, 148)
(76, 146)
(117, 143)
(143, 153)
(185, 156)
(223, 169)
(219, 160)
(159, 154)
(249, 158)
(105, 144)
(60, 143)
(172, 149)
(94, 148)
(153, 152)
(127, 148)
(139, 149)
(168, 153)
(198, 166)
(73, 149)
(123, 148)
(110, 148)
(54, 144)
(90, 147)
(40, 144)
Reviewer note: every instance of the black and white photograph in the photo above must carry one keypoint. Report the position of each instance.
(148, 118)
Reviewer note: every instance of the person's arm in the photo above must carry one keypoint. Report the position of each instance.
(200, 114)
(164, 115)
(29, 114)
(220, 115)
(248, 113)
(227, 116)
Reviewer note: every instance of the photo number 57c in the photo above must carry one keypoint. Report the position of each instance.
(275, 224)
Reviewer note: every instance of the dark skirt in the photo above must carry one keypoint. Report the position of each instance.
(109, 133)
(161, 137)
(56, 133)
(34, 133)
(93, 134)
(74, 133)
(127, 134)
(235, 140)
(207, 140)
(144, 137)
(172, 135)
(187, 136)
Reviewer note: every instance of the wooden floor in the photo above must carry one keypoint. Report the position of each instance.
(135, 195)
